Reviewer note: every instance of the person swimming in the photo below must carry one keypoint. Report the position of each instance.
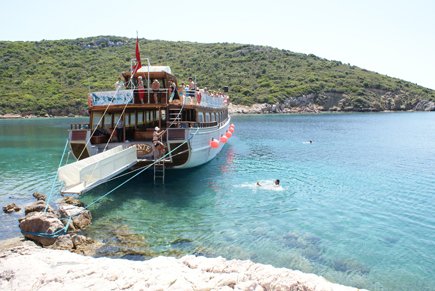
(276, 182)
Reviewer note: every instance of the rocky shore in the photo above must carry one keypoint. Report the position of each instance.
(315, 104)
(26, 266)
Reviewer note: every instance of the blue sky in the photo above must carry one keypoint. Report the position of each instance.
(395, 38)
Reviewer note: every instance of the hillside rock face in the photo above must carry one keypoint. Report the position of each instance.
(337, 102)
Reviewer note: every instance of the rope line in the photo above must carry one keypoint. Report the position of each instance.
(55, 177)
(64, 230)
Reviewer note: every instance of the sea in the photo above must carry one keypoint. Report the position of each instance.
(355, 205)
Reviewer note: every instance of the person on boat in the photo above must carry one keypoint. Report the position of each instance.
(119, 85)
(158, 145)
(155, 86)
(120, 130)
(141, 89)
(173, 91)
(192, 87)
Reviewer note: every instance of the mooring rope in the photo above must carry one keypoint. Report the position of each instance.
(64, 230)
(55, 177)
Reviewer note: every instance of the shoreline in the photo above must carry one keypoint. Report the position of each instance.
(258, 108)
(25, 266)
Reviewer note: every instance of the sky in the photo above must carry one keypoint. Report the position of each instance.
(392, 37)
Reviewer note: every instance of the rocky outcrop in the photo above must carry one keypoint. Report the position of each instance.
(340, 102)
(425, 105)
(40, 222)
(80, 216)
(27, 267)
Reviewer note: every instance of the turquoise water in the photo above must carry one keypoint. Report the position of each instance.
(356, 206)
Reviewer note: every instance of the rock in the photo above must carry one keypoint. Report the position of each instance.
(63, 242)
(81, 217)
(425, 105)
(11, 208)
(39, 196)
(72, 201)
(60, 270)
(38, 206)
(39, 222)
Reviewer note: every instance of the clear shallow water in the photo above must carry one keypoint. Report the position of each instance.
(357, 206)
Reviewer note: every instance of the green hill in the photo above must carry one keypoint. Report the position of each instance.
(54, 77)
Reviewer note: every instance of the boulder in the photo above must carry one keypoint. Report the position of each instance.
(39, 196)
(40, 223)
(11, 208)
(81, 217)
(38, 206)
(63, 242)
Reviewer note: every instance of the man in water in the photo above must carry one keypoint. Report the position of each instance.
(276, 183)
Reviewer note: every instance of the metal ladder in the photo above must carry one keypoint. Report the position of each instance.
(159, 171)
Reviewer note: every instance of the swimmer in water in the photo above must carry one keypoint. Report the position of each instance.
(276, 182)
(258, 184)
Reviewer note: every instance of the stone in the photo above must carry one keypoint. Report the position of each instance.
(38, 206)
(63, 242)
(72, 201)
(40, 222)
(12, 207)
(39, 196)
(81, 217)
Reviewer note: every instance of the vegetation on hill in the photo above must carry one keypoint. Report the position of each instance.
(54, 77)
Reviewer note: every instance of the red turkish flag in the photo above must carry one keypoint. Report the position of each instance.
(138, 62)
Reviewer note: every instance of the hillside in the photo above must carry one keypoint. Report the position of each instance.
(54, 77)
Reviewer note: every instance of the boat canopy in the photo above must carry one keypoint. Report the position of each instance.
(154, 69)
(83, 175)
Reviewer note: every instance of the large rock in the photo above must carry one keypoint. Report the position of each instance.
(81, 217)
(40, 223)
(38, 206)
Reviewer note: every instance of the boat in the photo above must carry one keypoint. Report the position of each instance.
(140, 125)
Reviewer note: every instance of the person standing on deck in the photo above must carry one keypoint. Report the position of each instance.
(155, 86)
(120, 130)
(141, 89)
(192, 87)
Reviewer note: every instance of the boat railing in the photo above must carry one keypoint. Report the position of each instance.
(131, 96)
(75, 126)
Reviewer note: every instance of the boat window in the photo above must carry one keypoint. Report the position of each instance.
(207, 117)
(132, 119)
(108, 121)
(163, 114)
(116, 118)
(140, 118)
(200, 117)
(95, 119)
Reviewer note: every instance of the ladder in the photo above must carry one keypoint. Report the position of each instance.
(159, 171)
(174, 115)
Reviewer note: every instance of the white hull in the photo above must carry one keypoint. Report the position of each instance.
(199, 146)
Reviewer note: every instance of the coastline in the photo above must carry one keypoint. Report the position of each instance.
(287, 108)
(26, 266)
